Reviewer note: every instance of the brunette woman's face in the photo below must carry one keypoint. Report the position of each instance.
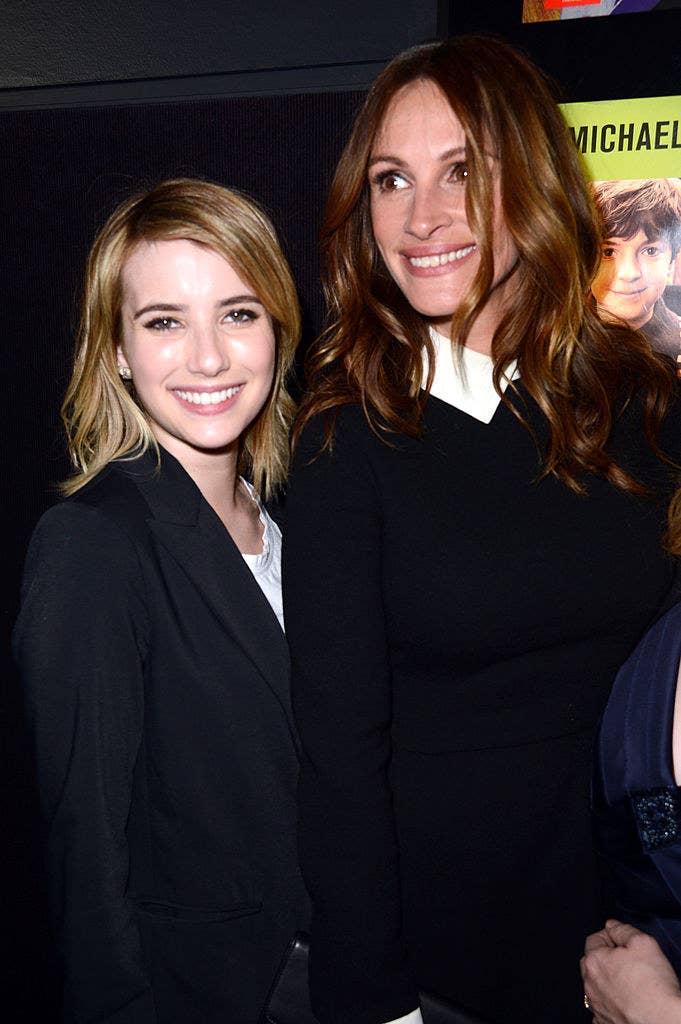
(418, 175)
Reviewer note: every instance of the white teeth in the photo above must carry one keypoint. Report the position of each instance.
(442, 258)
(208, 397)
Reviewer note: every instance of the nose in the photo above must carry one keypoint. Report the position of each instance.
(628, 267)
(207, 351)
(429, 210)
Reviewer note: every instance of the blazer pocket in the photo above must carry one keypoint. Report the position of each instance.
(195, 915)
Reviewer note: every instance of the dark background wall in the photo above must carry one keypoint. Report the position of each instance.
(98, 99)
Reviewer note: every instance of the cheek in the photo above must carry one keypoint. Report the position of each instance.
(150, 356)
(504, 248)
(259, 355)
(382, 225)
(658, 277)
(600, 282)
(154, 365)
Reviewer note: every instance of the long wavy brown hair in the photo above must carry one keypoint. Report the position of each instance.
(580, 371)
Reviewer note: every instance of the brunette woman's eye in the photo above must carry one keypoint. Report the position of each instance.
(389, 181)
(652, 250)
(607, 252)
(459, 173)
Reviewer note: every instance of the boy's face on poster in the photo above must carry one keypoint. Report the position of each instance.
(632, 276)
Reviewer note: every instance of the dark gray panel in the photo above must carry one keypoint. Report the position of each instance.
(322, 78)
(47, 43)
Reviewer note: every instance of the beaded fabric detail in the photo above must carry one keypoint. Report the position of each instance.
(658, 815)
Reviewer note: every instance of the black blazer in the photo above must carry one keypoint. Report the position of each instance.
(156, 679)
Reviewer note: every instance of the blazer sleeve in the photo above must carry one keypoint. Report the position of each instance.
(79, 645)
(342, 702)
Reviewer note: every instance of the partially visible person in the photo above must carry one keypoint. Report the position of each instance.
(150, 639)
(631, 967)
(627, 978)
(641, 227)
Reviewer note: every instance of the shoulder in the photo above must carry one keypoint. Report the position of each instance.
(670, 432)
(94, 533)
(656, 465)
(339, 474)
(85, 572)
(346, 422)
(116, 492)
(348, 434)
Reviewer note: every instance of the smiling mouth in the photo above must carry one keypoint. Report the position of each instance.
(441, 259)
(208, 397)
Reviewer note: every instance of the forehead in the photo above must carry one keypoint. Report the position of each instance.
(419, 113)
(178, 265)
(640, 238)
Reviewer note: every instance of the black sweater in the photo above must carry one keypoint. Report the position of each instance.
(455, 627)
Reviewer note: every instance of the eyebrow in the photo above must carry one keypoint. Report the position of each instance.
(387, 158)
(172, 307)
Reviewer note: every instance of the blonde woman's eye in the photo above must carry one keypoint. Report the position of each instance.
(389, 181)
(162, 323)
(241, 316)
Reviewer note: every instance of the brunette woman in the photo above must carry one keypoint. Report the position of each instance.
(472, 550)
(150, 638)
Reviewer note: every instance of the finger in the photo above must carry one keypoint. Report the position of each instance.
(620, 934)
(598, 940)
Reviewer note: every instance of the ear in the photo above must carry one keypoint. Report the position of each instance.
(120, 357)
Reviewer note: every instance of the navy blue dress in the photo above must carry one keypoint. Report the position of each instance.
(637, 805)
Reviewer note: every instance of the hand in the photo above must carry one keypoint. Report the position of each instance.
(628, 979)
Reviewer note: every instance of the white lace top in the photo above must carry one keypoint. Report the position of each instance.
(266, 567)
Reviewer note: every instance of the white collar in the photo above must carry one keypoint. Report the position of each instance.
(472, 391)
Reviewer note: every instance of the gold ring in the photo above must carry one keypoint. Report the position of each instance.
(587, 1004)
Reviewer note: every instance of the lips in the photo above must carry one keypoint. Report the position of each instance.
(440, 259)
(207, 397)
(436, 260)
(206, 401)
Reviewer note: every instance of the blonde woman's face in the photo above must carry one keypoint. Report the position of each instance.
(199, 343)
(418, 176)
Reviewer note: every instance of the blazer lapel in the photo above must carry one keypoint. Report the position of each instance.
(195, 537)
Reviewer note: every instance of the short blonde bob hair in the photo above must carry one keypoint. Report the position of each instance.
(103, 422)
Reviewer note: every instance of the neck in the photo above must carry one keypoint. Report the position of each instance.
(480, 336)
(213, 472)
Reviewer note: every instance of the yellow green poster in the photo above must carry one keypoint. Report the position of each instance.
(631, 151)
(639, 138)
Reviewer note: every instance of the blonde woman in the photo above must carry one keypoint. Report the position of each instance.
(150, 639)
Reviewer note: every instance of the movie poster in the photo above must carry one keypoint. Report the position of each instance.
(561, 10)
(632, 153)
